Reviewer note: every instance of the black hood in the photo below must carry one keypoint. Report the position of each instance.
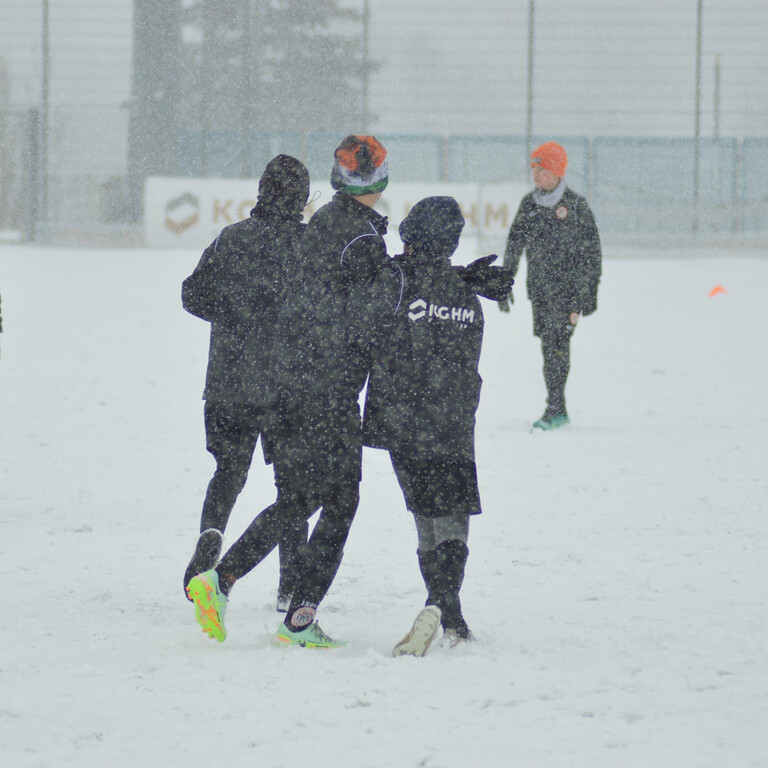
(284, 185)
(433, 226)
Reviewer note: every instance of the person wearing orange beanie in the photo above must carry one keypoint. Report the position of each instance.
(556, 229)
(551, 157)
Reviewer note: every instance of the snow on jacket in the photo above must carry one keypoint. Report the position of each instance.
(319, 365)
(424, 384)
(239, 286)
(561, 241)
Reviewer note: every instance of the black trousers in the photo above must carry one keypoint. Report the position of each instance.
(232, 430)
(555, 331)
(231, 433)
(306, 481)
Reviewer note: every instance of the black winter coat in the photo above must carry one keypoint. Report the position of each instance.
(424, 385)
(319, 364)
(564, 256)
(239, 286)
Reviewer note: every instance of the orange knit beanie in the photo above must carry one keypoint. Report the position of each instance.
(550, 156)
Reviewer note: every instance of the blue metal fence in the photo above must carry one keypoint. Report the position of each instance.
(636, 186)
(505, 158)
(647, 185)
(754, 185)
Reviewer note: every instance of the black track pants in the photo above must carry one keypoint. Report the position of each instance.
(318, 561)
(277, 523)
(556, 350)
(325, 548)
(231, 431)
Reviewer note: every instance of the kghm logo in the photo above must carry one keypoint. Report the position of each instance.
(182, 212)
(420, 308)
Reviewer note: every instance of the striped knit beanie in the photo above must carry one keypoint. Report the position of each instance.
(360, 166)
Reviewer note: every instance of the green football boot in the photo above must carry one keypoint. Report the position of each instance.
(311, 636)
(551, 422)
(210, 604)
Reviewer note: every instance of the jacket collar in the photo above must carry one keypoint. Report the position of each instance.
(348, 203)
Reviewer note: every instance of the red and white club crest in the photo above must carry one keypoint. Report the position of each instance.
(561, 212)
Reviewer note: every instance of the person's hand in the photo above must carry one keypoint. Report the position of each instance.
(506, 304)
(487, 281)
(381, 226)
(574, 318)
(478, 266)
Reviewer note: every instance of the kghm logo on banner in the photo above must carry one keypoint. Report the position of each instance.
(182, 212)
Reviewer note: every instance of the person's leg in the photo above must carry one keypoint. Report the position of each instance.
(291, 508)
(292, 542)
(210, 590)
(336, 474)
(442, 493)
(442, 553)
(294, 535)
(427, 556)
(554, 329)
(231, 431)
(323, 552)
(556, 351)
(443, 556)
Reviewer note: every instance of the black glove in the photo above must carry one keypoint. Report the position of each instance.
(381, 226)
(493, 283)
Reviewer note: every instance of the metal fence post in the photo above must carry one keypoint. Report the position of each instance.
(32, 177)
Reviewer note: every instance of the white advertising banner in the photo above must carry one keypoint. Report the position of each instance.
(189, 213)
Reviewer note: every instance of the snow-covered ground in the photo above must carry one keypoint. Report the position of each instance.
(616, 581)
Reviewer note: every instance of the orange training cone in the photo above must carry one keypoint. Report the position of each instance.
(717, 289)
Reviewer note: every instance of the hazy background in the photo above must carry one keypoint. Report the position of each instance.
(449, 76)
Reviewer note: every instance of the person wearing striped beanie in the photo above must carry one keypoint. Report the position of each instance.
(360, 166)
(317, 370)
(319, 363)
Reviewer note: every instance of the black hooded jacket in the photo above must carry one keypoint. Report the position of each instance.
(427, 331)
(346, 284)
(319, 365)
(241, 282)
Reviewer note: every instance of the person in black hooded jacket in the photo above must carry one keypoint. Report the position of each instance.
(239, 287)
(314, 416)
(319, 366)
(422, 395)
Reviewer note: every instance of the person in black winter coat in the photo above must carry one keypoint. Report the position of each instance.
(555, 227)
(239, 287)
(319, 366)
(317, 373)
(422, 395)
